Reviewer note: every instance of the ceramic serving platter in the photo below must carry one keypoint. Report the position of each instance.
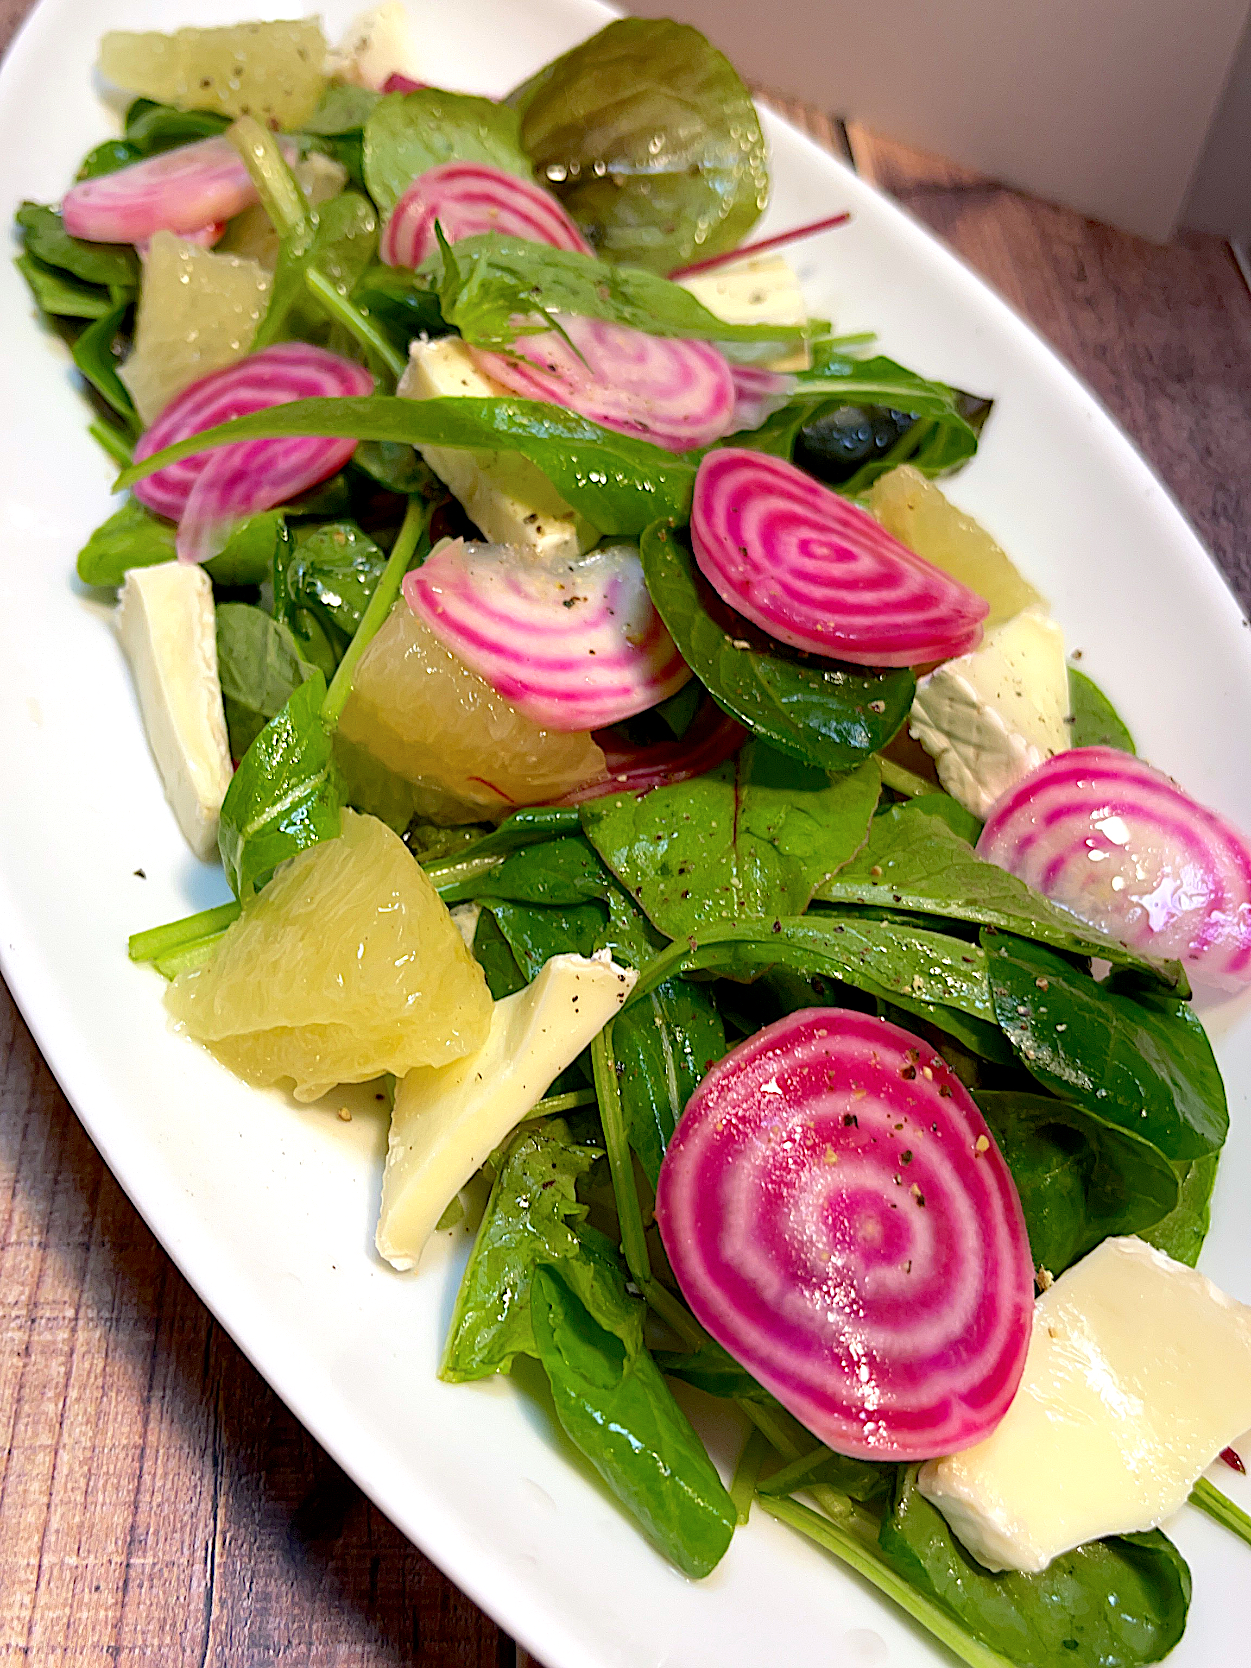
(268, 1208)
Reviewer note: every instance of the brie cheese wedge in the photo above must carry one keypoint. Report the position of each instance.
(760, 290)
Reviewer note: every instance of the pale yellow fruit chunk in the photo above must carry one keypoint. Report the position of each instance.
(346, 966)
(273, 71)
(252, 232)
(198, 312)
(918, 515)
(431, 720)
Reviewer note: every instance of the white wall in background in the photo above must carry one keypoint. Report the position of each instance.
(1106, 105)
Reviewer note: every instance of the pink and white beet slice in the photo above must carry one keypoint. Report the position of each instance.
(467, 198)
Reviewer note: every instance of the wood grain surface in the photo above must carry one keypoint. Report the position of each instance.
(158, 1504)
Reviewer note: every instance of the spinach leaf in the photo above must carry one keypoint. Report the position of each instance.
(836, 445)
(107, 159)
(407, 133)
(133, 537)
(531, 1217)
(495, 288)
(1095, 721)
(342, 108)
(1080, 1178)
(284, 796)
(247, 557)
(331, 573)
(113, 267)
(492, 953)
(336, 242)
(754, 837)
(93, 354)
(617, 1409)
(537, 932)
(401, 303)
(395, 467)
(941, 439)
(153, 127)
(651, 141)
(664, 1046)
(1139, 1060)
(259, 666)
(914, 861)
(712, 1370)
(1182, 1232)
(1116, 1603)
(563, 871)
(960, 821)
(618, 483)
(61, 296)
(820, 711)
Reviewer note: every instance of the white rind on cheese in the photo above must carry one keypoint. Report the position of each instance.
(448, 1120)
(510, 499)
(761, 290)
(990, 717)
(1138, 1374)
(375, 46)
(168, 631)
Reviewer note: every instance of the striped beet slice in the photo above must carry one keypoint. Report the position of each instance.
(819, 573)
(467, 198)
(677, 394)
(573, 643)
(839, 1219)
(1121, 845)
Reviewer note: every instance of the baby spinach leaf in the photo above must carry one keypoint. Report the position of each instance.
(284, 796)
(1182, 1232)
(342, 108)
(960, 821)
(913, 861)
(107, 159)
(820, 711)
(114, 267)
(650, 139)
(1095, 721)
(1141, 1061)
(618, 483)
(247, 557)
(397, 468)
(664, 1046)
(753, 838)
(93, 354)
(537, 932)
(407, 133)
(530, 1218)
(337, 242)
(331, 574)
(495, 288)
(61, 296)
(152, 127)
(492, 953)
(712, 1370)
(1080, 1178)
(259, 666)
(1116, 1603)
(401, 303)
(562, 871)
(130, 538)
(617, 1409)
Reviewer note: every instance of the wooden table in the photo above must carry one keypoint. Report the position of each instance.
(157, 1502)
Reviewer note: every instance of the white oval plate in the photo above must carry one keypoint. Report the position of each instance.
(268, 1208)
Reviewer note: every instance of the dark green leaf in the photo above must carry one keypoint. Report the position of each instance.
(259, 666)
(407, 133)
(816, 710)
(404, 306)
(152, 127)
(753, 838)
(492, 953)
(130, 538)
(563, 871)
(712, 1370)
(1080, 1178)
(495, 288)
(338, 241)
(342, 109)
(1096, 722)
(93, 354)
(617, 1409)
(331, 573)
(107, 159)
(285, 795)
(664, 1045)
(651, 141)
(398, 468)
(620, 484)
(537, 932)
(61, 296)
(113, 266)
(913, 861)
(1141, 1061)
(960, 821)
(248, 555)
(1182, 1232)
(1116, 1603)
(530, 1218)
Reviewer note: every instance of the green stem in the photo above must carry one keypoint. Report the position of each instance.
(276, 185)
(796, 1474)
(354, 319)
(1222, 1510)
(774, 1425)
(747, 1472)
(105, 435)
(553, 1106)
(620, 1163)
(188, 956)
(868, 1561)
(903, 781)
(661, 1301)
(380, 604)
(176, 935)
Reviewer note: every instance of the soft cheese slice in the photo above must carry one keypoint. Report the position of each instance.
(375, 46)
(1138, 1374)
(760, 290)
(511, 500)
(168, 630)
(990, 717)
(448, 1120)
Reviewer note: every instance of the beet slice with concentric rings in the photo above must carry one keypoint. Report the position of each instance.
(819, 573)
(1121, 845)
(839, 1218)
(676, 393)
(466, 198)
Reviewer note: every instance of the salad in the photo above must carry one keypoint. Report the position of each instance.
(617, 745)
